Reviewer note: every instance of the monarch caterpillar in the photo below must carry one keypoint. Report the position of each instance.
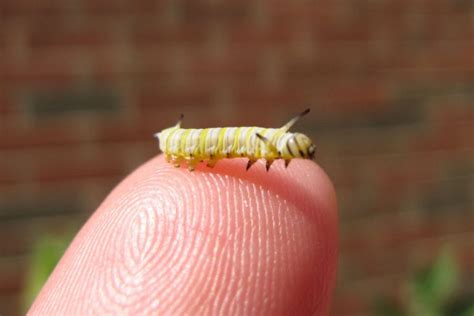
(212, 144)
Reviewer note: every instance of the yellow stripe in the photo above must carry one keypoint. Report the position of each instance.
(183, 140)
(220, 141)
(279, 132)
(247, 138)
(196, 151)
(276, 137)
(236, 141)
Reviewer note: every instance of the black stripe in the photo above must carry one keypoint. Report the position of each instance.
(289, 149)
(298, 146)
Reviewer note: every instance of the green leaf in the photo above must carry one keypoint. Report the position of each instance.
(468, 312)
(45, 255)
(433, 285)
(386, 307)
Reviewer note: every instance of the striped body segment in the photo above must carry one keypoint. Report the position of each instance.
(212, 144)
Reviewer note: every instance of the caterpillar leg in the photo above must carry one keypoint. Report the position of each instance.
(250, 163)
(269, 163)
(287, 162)
(192, 164)
(211, 163)
(176, 161)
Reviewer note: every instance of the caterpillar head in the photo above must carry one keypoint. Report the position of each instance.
(305, 146)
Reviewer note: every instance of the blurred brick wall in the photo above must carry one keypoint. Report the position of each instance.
(85, 83)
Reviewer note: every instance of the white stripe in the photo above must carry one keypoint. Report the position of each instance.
(212, 138)
(192, 141)
(242, 145)
(162, 139)
(282, 142)
(229, 139)
(175, 143)
(253, 140)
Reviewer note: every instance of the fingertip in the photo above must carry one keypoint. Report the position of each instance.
(220, 240)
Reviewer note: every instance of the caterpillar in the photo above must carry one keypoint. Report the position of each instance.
(212, 144)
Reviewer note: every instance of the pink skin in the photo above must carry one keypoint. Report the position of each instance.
(215, 241)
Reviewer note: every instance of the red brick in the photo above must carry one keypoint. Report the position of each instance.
(59, 168)
(407, 172)
(465, 254)
(12, 274)
(356, 32)
(259, 98)
(454, 112)
(196, 116)
(33, 7)
(46, 70)
(87, 37)
(349, 305)
(216, 11)
(397, 236)
(453, 55)
(18, 243)
(443, 7)
(3, 42)
(245, 36)
(145, 7)
(7, 105)
(107, 7)
(10, 303)
(8, 175)
(143, 132)
(333, 63)
(145, 35)
(367, 292)
(358, 97)
(235, 64)
(148, 65)
(446, 138)
(156, 97)
(293, 11)
(108, 71)
(120, 8)
(53, 134)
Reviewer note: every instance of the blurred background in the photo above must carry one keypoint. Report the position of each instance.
(84, 84)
